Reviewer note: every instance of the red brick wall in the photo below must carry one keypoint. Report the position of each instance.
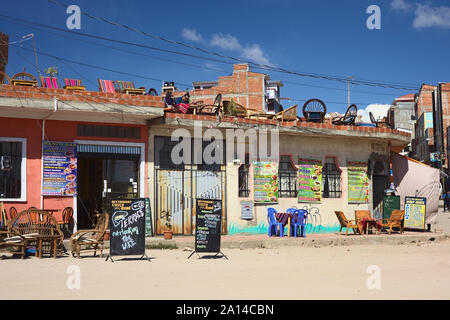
(4, 39)
(244, 87)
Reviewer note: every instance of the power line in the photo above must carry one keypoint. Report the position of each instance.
(259, 66)
(262, 66)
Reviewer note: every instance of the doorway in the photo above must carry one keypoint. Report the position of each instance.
(102, 177)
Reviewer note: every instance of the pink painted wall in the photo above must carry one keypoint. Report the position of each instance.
(65, 131)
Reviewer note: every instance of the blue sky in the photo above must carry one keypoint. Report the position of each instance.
(327, 38)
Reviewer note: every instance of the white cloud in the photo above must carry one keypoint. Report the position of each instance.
(251, 52)
(226, 41)
(379, 111)
(400, 5)
(255, 54)
(427, 16)
(191, 35)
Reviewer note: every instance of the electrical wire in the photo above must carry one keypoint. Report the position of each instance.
(264, 67)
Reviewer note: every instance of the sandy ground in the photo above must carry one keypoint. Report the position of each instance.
(339, 272)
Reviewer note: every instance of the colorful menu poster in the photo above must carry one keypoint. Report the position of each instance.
(59, 177)
(309, 181)
(358, 182)
(265, 182)
(415, 209)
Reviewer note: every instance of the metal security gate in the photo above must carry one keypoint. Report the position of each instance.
(176, 192)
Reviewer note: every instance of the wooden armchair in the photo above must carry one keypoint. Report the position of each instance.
(33, 223)
(23, 79)
(314, 110)
(74, 84)
(360, 216)
(290, 114)
(14, 243)
(129, 88)
(215, 109)
(90, 240)
(395, 221)
(347, 223)
(5, 78)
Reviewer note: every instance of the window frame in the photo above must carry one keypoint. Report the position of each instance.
(246, 170)
(295, 177)
(341, 190)
(23, 170)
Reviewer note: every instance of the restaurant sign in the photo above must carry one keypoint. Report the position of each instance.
(265, 178)
(415, 209)
(358, 182)
(59, 175)
(309, 181)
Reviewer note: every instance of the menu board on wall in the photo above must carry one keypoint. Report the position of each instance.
(309, 181)
(265, 182)
(59, 176)
(127, 227)
(415, 209)
(358, 182)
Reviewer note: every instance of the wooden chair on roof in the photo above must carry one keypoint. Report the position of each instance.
(24, 79)
(314, 110)
(290, 114)
(379, 124)
(74, 84)
(5, 78)
(348, 118)
(107, 86)
(214, 109)
(129, 88)
(50, 82)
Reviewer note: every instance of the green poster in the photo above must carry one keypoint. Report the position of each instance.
(309, 181)
(358, 182)
(265, 182)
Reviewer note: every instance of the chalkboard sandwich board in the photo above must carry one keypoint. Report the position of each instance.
(208, 225)
(127, 228)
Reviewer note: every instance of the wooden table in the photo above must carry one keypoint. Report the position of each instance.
(53, 239)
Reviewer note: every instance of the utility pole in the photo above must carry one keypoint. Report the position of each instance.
(348, 91)
(28, 36)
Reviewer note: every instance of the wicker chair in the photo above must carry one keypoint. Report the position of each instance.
(90, 240)
(32, 223)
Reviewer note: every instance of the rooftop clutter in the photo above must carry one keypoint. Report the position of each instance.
(314, 110)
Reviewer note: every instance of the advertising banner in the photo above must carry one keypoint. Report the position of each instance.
(310, 181)
(265, 178)
(59, 176)
(358, 182)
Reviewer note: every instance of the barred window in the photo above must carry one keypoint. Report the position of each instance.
(287, 175)
(12, 182)
(331, 179)
(244, 170)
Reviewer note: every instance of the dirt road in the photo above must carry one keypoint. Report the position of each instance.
(341, 272)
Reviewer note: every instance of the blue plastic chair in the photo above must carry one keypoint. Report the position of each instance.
(299, 220)
(291, 210)
(274, 223)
